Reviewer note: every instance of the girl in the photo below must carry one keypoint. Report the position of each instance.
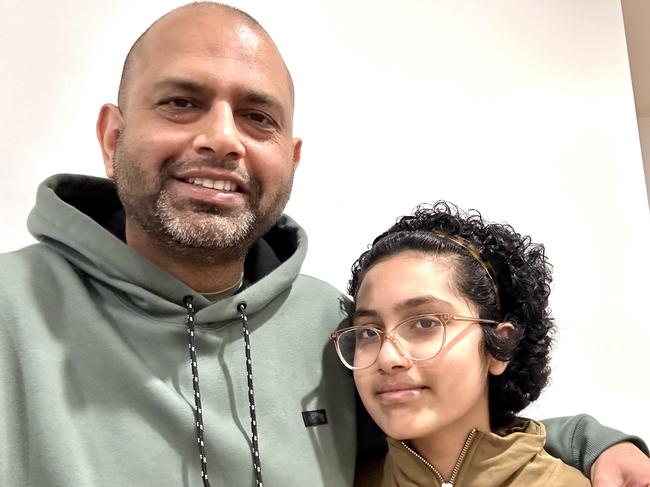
(451, 339)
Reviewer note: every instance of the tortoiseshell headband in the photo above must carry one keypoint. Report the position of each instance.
(474, 252)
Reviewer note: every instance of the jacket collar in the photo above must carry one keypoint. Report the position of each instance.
(491, 460)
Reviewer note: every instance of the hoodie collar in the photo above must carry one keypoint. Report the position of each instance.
(81, 218)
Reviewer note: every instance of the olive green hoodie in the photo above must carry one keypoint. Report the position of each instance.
(95, 376)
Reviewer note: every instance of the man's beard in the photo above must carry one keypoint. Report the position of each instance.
(191, 225)
(206, 227)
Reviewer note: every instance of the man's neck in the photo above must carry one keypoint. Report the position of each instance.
(204, 270)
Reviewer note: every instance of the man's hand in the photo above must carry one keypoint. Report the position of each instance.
(621, 465)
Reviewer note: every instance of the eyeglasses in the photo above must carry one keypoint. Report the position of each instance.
(418, 338)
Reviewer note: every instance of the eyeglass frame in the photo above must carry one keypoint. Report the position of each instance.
(444, 319)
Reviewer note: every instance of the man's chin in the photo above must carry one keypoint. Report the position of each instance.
(210, 232)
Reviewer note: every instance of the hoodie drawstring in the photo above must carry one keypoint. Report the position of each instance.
(257, 463)
(198, 413)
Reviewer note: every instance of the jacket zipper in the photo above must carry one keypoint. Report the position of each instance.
(456, 469)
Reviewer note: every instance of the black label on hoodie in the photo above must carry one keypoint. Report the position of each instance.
(314, 418)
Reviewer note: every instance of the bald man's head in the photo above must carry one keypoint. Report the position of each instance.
(226, 12)
(205, 97)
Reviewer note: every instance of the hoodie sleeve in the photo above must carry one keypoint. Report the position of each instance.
(578, 440)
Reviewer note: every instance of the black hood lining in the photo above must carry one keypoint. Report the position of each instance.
(97, 198)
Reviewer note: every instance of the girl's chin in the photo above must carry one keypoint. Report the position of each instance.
(403, 431)
(409, 426)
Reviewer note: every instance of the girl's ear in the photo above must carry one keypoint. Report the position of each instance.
(503, 330)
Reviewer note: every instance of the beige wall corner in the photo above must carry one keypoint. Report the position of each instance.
(644, 136)
(636, 15)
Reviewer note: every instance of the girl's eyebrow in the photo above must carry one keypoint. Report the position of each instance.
(364, 312)
(406, 305)
(420, 300)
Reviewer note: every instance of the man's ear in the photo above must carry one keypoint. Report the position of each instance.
(109, 127)
(507, 331)
(297, 150)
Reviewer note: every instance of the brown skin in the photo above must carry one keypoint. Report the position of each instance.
(208, 97)
(432, 404)
(621, 465)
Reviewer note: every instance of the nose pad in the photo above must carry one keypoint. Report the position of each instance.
(219, 135)
(390, 356)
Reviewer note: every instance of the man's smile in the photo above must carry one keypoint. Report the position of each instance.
(221, 184)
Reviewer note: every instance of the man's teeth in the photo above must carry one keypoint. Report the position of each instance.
(211, 183)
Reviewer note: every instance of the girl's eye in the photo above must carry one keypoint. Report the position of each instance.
(429, 324)
(425, 323)
(366, 334)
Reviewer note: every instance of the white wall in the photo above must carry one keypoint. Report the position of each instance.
(520, 108)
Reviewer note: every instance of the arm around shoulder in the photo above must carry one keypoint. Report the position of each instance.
(579, 440)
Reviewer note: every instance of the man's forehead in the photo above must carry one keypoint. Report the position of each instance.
(213, 34)
(190, 34)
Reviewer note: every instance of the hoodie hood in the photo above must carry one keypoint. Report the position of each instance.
(81, 218)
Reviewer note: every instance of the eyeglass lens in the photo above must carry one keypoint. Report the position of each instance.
(418, 338)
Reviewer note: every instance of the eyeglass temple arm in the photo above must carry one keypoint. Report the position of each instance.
(477, 320)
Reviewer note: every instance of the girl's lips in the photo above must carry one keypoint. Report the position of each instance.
(400, 394)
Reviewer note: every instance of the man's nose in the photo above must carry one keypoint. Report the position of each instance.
(219, 135)
(390, 356)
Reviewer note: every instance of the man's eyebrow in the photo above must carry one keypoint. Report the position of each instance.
(181, 83)
(263, 99)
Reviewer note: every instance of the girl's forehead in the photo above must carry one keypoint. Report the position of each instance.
(413, 263)
(406, 275)
(412, 277)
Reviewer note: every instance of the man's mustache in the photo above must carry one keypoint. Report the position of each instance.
(172, 166)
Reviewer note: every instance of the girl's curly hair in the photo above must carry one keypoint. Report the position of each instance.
(522, 276)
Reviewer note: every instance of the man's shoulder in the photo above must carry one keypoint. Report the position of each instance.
(35, 264)
(324, 290)
(310, 281)
(27, 276)
(313, 295)
(26, 256)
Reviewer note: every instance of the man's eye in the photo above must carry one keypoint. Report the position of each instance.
(260, 119)
(179, 103)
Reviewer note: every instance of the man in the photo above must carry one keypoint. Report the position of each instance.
(160, 333)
